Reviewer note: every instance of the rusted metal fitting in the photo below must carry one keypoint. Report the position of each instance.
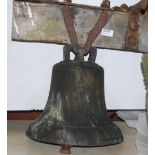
(69, 22)
(137, 8)
(101, 22)
(65, 149)
(131, 38)
(140, 7)
(133, 23)
(144, 4)
(105, 4)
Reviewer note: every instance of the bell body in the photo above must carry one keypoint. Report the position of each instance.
(75, 113)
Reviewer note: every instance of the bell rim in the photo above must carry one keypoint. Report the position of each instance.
(118, 141)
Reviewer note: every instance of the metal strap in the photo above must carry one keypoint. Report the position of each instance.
(68, 19)
(101, 22)
(132, 36)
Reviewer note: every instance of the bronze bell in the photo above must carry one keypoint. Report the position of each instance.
(75, 113)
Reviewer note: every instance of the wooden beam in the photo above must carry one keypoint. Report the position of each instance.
(42, 21)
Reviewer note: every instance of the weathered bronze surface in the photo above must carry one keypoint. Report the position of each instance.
(75, 113)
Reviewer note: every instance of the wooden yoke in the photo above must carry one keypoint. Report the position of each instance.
(120, 28)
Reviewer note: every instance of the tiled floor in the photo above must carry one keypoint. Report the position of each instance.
(19, 144)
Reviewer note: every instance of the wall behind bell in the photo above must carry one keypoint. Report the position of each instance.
(30, 66)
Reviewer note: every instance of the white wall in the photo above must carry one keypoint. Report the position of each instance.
(30, 66)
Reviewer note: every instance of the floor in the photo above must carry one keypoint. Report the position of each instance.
(19, 144)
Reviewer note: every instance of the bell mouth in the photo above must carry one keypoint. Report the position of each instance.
(109, 134)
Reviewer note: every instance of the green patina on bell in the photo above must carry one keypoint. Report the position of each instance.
(75, 113)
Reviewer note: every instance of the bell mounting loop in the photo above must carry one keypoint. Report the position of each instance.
(66, 52)
(92, 54)
(80, 55)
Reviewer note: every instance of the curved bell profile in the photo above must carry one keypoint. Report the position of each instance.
(75, 113)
